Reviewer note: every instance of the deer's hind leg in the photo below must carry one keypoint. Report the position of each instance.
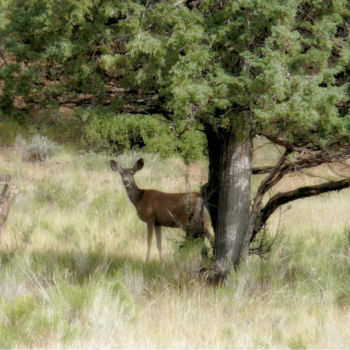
(158, 232)
(208, 228)
(150, 225)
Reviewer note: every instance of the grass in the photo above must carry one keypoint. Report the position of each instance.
(72, 271)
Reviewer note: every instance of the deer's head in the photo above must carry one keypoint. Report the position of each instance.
(127, 174)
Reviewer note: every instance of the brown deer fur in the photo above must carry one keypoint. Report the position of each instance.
(5, 196)
(185, 210)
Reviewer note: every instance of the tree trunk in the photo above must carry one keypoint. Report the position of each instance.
(227, 193)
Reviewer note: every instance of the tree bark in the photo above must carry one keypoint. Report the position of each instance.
(227, 193)
(210, 191)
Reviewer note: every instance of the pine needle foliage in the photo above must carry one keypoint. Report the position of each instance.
(285, 61)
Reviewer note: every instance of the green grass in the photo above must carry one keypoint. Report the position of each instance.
(72, 271)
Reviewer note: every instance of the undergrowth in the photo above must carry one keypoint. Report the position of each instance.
(72, 270)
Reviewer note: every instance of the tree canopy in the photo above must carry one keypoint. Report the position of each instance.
(285, 62)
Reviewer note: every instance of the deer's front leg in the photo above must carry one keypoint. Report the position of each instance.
(150, 225)
(158, 232)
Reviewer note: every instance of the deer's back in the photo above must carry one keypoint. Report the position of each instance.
(167, 209)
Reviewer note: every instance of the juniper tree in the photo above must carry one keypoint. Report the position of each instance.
(234, 69)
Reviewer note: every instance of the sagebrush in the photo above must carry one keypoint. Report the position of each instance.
(37, 148)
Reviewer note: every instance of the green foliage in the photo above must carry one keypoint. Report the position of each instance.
(285, 61)
(9, 129)
(146, 133)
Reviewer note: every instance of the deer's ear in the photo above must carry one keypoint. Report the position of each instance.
(115, 166)
(138, 165)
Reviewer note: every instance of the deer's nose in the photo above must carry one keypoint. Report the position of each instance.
(126, 183)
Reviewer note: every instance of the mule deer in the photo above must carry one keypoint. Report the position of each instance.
(185, 210)
(5, 196)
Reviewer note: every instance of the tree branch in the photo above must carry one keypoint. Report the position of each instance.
(131, 101)
(275, 175)
(286, 197)
(305, 163)
(262, 170)
(283, 143)
(264, 186)
(259, 216)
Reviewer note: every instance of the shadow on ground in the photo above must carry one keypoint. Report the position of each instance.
(80, 267)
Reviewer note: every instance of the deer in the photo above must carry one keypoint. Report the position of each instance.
(8, 190)
(157, 209)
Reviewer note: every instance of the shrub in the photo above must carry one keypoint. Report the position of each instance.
(38, 148)
(8, 130)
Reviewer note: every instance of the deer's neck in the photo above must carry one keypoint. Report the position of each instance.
(134, 194)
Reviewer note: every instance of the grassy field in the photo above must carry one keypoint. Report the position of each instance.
(72, 272)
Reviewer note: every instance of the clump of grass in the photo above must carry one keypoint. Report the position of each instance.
(15, 316)
(13, 279)
(134, 280)
(95, 161)
(91, 313)
(65, 196)
(106, 314)
(297, 341)
(38, 148)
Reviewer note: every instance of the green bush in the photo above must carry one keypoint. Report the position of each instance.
(150, 133)
(8, 131)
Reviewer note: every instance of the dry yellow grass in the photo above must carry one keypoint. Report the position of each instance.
(72, 270)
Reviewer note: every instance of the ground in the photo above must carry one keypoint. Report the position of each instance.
(72, 271)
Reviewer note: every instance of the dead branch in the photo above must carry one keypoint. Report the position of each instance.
(305, 163)
(282, 198)
(266, 246)
(304, 172)
(265, 185)
(275, 175)
(335, 172)
(284, 143)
